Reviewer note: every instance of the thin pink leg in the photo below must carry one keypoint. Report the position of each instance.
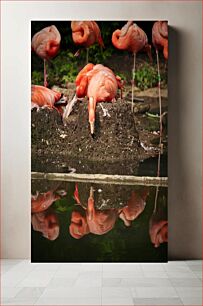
(45, 74)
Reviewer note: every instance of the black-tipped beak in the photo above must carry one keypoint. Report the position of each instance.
(92, 128)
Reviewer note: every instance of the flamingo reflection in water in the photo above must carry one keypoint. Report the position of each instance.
(158, 224)
(43, 218)
(94, 221)
(100, 222)
(135, 206)
(47, 223)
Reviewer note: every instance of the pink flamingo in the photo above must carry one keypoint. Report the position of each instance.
(86, 33)
(131, 38)
(46, 44)
(99, 84)
(44, 97)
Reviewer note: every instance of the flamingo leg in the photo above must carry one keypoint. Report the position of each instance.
(87, 55)
(155, 200)
(45, 74)
(160, 113)
(133, 79)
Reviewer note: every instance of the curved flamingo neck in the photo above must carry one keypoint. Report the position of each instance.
(120, 43)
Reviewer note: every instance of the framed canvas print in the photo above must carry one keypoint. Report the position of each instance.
(99, 101)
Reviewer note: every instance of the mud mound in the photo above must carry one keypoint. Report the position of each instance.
(55, 145)
(105, 196)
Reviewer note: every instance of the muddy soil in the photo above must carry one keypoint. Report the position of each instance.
(122, 138)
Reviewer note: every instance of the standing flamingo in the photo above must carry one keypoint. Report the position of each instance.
(160, 37)
(99, 84)
(44, 97)
(86, 33)
(160, 41)
(131, 38)
(46, 44)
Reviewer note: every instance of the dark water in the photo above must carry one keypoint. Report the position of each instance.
(83, 222)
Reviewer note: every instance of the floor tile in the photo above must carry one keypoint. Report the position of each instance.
(30, 292)
(73, 292)
(21, 301)
(69, 301)
(157, 301)
(37, 279)
(185, 282)
(176, 268)
(193, 262)
(116, 292)
(6, 268)
(153, 268)
(198, 274)
(61, 282)
(154, 292)
(181, 275)
(88, 282)
(111, 282)
(196, 268)
(119, 301)
(91, 267)
(145, 282)
(123, 274)
(9, 292)
(46, 267)
(189, 291)
(114, 268)
(192, 301)
(173, 283)
(155, 274)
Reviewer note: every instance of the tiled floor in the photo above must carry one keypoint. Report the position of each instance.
(174, 283)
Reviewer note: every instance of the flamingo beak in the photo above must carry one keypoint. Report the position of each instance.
(92, 128)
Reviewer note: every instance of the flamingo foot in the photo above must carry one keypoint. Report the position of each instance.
(105, 111)
(69, 108)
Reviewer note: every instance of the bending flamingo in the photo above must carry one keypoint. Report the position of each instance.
(131, 38)
(46, 44)
(44, 97)
(85, 34)
(94, 221)
(99, 84)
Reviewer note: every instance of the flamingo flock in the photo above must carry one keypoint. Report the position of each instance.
(96, 82)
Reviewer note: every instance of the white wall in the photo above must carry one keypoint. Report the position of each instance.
(184, 112)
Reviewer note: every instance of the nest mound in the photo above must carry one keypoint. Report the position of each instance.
(116, 140)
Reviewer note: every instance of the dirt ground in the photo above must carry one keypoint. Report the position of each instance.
(121, 139)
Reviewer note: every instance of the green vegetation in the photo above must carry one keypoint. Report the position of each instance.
(146, 76)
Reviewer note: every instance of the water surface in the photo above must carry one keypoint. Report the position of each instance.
(85, 222)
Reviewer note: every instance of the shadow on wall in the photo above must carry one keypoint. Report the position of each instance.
(184, 206)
